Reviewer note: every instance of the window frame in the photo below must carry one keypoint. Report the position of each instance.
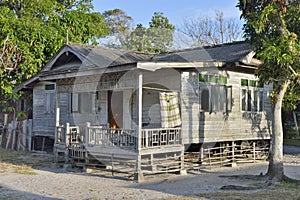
(219, 93)
(252, 96)
(77, 99)
(50, 98)
(75, 104)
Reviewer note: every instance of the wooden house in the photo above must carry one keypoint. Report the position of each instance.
(149, 108)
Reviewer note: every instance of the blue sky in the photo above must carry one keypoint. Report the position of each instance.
(175, 10)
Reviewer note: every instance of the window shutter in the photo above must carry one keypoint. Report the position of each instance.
(75, 102)
(229, 99)
(47, 103)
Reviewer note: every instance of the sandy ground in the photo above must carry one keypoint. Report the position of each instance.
(55, 183)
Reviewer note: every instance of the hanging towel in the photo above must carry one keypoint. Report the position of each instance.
(169, 109)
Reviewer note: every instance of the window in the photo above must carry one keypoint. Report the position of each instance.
(214, 96)
(75, 102)
(83, 102)
(22, 105)
(50, 98)
(50, 87)
(252, 96)
(100, 103)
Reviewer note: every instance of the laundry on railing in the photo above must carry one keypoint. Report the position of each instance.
(169, 109)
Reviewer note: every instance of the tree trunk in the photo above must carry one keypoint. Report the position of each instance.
(275, 170)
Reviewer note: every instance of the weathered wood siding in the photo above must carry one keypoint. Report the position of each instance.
(199, 126)
(190, 107)
(92, 86)
(43, 122)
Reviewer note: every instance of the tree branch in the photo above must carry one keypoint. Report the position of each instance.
(293, 71)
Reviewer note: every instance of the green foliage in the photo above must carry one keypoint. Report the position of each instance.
(117, 20)
(159, 21)
(157, 38)
(277, 46)
(119, 25)
(273, 28)
(33, 31)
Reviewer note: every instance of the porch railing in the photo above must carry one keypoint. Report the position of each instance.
(160, 137)
(60, 135)
(102, 136)
(123, 138)
(68, 134)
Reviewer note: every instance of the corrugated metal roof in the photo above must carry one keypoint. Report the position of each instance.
(224, 53)
(105, 57)
(90, 57)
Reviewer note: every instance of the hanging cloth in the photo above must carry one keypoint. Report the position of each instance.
(169, 109)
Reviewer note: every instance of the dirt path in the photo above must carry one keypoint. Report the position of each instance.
(52, 183)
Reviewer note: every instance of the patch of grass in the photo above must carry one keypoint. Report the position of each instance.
(183, 198)
(10, 197)
(22, 162)
(292, 142)
(291, 194)
(20, 169)
(287, 185)
(26, 170)
(283, 190)
(256, 183)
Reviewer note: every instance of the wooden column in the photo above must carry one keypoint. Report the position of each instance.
(57, 110)
(201, 153)
(138, 173)
(30, 134)
(87, 134)
(182, 168)
(233, 162)
(67, 136)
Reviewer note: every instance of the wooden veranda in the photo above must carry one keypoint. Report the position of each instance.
(156, 150)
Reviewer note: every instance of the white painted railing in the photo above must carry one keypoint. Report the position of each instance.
(160, 137)
(118, 137)
(103, 136)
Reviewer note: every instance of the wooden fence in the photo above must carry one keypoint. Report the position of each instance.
(227, 155)
(17, 135)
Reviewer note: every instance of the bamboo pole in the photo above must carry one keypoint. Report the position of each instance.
(9, 133)
(24, 125)
(14, 134)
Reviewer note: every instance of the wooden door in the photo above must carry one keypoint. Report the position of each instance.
(115, 109)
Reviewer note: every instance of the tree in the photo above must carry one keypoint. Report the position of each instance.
(120, 26)
(138, 40)
(160, 32)
(33, 30)
(205, 31)
(158, 37)
(273, 27)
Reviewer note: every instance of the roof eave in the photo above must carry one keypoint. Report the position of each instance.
(153, 66)
(27, 84)
(87, 72)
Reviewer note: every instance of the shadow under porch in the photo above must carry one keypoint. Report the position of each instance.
(117, 150)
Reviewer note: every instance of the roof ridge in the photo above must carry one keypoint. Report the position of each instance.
(110, 48)
(207, 46)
